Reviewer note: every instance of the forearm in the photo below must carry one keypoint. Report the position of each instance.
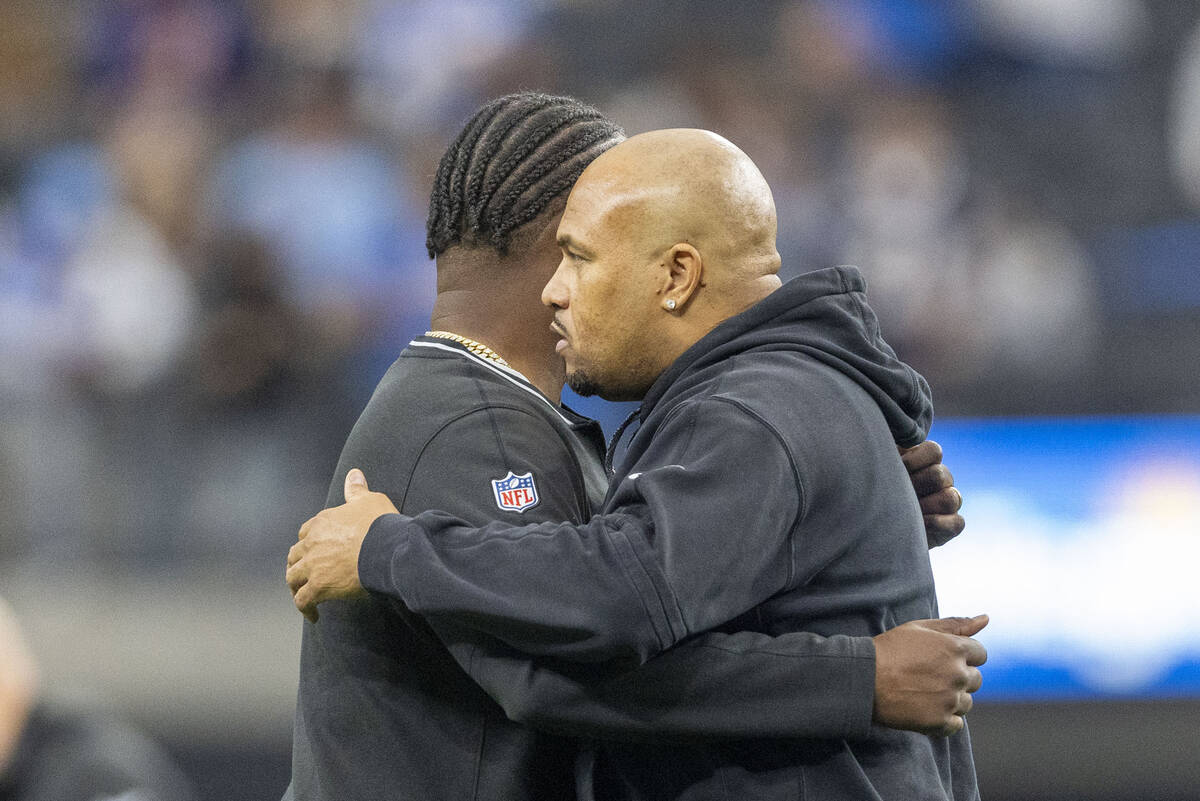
(725, 686)
(585, 593)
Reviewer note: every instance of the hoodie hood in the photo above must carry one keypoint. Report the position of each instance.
(825, 315)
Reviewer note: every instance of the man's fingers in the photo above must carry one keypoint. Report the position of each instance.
(975, 681)
(296, 576)
(921, 456)
(304, 601)
(962, 626)
(976, 653)
(356, 484)
(953, 726)
(929, 480)
(940, 529)
(295, 553)
(945, 501)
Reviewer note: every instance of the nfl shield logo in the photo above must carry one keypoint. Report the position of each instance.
(515, 493)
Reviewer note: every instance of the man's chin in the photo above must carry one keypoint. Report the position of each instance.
(582, 384)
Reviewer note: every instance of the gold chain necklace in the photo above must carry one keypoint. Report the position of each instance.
(478, 348)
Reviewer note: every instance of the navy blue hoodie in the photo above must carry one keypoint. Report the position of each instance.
(762, 491)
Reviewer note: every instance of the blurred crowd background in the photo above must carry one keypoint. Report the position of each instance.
(212, 221)
(212, 215)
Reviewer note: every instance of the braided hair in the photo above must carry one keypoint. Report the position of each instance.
(511, 160)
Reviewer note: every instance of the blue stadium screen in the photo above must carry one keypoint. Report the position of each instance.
(1083, 544)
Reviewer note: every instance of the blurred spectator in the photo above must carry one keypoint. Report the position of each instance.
(55, 752)
(160, 148)
(251, 339)
(328, 204)
(420, 63)
(315, 33)
(188, 50)
(973, 293)
(132, 300)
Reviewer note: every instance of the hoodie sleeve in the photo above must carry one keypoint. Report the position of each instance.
(700, 533)
(715, 686)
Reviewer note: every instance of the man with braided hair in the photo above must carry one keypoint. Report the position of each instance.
(391, 705)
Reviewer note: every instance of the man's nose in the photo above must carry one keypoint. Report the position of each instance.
(554, 292)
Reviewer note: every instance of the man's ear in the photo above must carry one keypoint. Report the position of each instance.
(682, 276)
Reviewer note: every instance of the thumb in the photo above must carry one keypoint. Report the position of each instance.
(356, 485)
(962, 626)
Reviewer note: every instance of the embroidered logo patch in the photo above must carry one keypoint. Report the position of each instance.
(515, 493)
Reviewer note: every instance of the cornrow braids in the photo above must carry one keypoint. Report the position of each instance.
(530, 194)
(508, 164)
(526, 138)
(483, 161)
(456, 168)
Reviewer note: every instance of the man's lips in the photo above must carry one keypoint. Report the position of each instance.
(561, 345)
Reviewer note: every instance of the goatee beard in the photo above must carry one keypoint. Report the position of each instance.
(582, 384)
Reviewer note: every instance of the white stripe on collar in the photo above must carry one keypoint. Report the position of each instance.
(507, 373)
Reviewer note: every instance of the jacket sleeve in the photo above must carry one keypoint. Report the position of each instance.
(700, 533)
(739, 685)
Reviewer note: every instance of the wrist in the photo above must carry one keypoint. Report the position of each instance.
(385, 537)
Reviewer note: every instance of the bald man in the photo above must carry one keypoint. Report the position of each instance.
(761, 491)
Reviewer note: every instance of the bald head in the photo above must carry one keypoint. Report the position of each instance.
(685, 185)
(663, 237)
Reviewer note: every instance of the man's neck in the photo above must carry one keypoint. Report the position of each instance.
(520, 340)
(494, 299)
